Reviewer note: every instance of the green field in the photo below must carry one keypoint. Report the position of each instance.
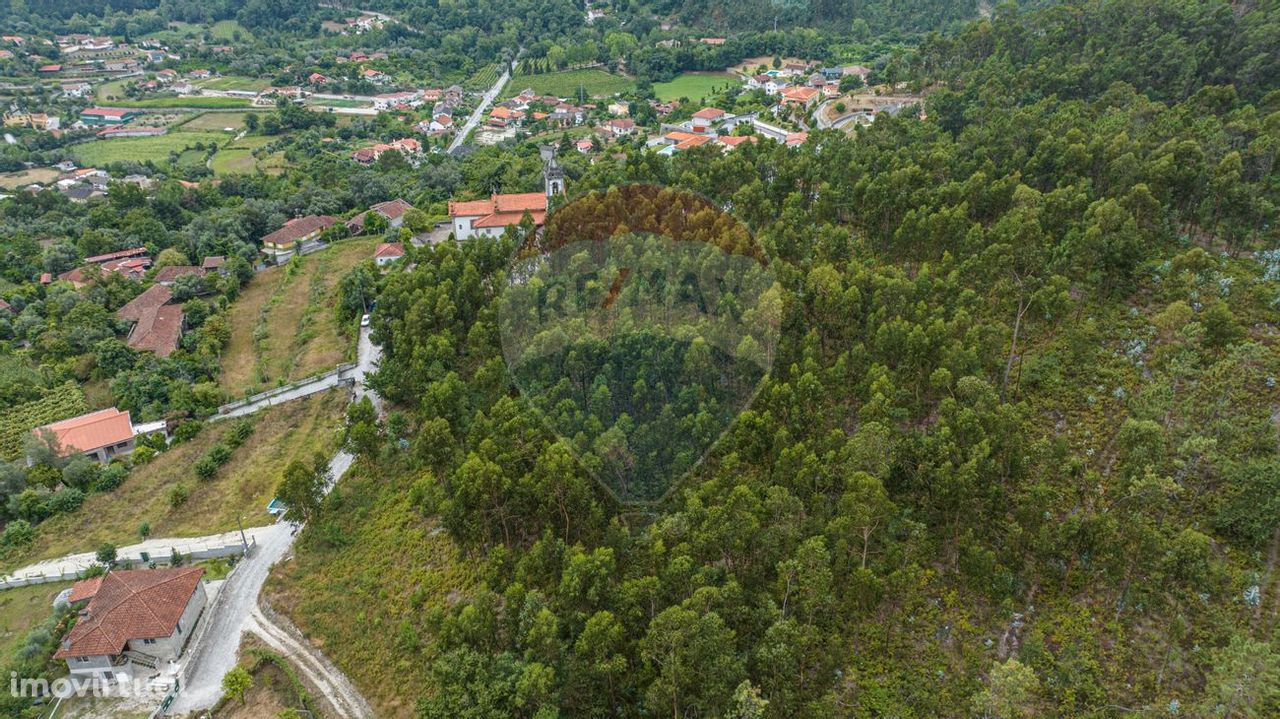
(23, 608)
(110, 90)
(237, 157)
(215, 121)
(694, 86)
(207, 103)
(226, 30)
(596, 83)
(223, 30)
(141, 149)
(235, 82)
(482, 78)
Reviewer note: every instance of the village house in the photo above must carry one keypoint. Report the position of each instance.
(157, 321)
(376, 77)
(200, 74)
(703, 120)
(490, 217)
(388, 252)
(402, 99)
(215, 263)
(166, 276)
(438, 124)
(132, 621)
(729, 142)
(585, 145)
(803, 96)
(119, 254)
(283, 242)
(101, 435)
(505, 117)
(619, 127)
(619, 109)
(392, 210)
(77, 89)
(408, 147)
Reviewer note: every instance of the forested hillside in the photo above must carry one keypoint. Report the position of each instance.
(1018, 454)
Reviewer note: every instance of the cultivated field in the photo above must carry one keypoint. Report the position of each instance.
(242, 487)
(141, 149)
(215, 121)
(283, 325)
(235, 82)
(694, 86)
(596, 83)
(12, 180)
(237, 157)
(203, 103)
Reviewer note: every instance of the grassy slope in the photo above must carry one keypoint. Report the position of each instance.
(597, 83)
(363, 602)
(157, 149)
(292, 315)
(23, 608)
(237, 157)
(295, 430)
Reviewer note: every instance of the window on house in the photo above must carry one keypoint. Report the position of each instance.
(148, 641)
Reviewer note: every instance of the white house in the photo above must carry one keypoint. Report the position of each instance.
(134, 621)
(489, 217)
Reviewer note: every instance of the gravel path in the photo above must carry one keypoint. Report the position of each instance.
(213, 653)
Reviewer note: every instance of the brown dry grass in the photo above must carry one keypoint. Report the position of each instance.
(242, 487)
(283, 327)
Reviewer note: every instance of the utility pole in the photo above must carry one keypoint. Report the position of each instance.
(243, 541)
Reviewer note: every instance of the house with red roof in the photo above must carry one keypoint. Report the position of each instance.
(490, 217)
(388, 252)
(101, 435)
(392, 210)
(157, 320)
(800, 95)
(108, 115)
(282, 243)
(132, 621)
(703, 120)
(505, 117)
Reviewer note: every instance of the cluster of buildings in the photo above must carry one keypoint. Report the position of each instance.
(410, 148)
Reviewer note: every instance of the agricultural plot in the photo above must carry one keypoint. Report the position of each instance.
(42, 175)
(142, 149)
(215, 122)
(594, 83)
(283, 326)
(62, 402)
(483, 78)
(235, 82)
(238, 157)
(695, 86)
(204, 103)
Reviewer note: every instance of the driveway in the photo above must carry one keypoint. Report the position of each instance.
(214, 652)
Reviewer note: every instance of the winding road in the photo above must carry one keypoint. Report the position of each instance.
(236, 610)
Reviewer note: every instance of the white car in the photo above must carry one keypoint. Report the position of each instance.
(364, 321)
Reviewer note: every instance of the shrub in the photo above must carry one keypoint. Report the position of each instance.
(143, 455)
(112, 476)
(206, 468)
(106, 554)
(178, 495)
(144, 530)
(17, 533)
(239, 433)
(187, 430)
(219, 453)
(65, 501)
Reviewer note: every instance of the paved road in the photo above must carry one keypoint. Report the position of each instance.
(161, 548)
(329, 381)
(485, 102)
(215, 652)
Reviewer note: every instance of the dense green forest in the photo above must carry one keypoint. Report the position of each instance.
(1017, 456)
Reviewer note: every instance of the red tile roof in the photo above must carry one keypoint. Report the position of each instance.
(151, 299)
(173, 272)
(213, 262)
(708, 113)
(133, 604)
(297, 228)
(122, 254)
(90, 431)
(502, 210)
(84, 590)
(389, 249)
